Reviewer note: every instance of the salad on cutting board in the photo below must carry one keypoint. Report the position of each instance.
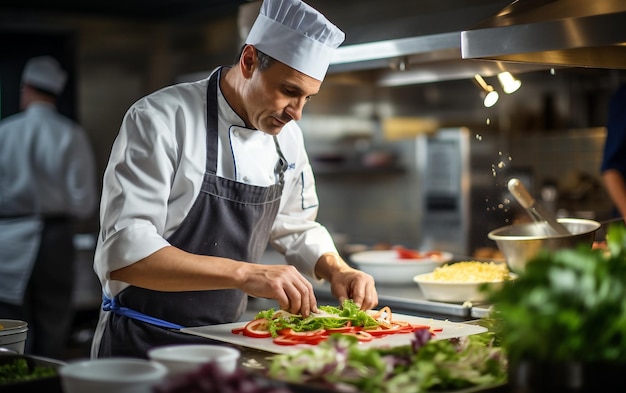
(431, 357)
(285, 328)
(280, 332)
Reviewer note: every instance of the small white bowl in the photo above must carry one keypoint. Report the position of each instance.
(454, 291)
(106, 375)
(387, 268)
(13, 334)
(184, 358)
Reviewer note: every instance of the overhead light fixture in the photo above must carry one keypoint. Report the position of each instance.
(490, 96)
(508, 82)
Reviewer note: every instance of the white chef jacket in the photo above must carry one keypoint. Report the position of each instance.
(157, 165)
(47, 168)
(46, 165)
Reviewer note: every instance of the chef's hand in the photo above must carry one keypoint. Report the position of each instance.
(347, 282)
(284, 283)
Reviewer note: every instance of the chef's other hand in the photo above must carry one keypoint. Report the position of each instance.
(284, 283)
(347, 282)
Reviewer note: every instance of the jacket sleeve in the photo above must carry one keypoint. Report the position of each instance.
(136, 186)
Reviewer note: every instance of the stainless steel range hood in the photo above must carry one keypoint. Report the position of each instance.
(412, 42)
(578, 33)
(412, 60)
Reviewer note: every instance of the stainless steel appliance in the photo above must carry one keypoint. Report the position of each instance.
(462, 178)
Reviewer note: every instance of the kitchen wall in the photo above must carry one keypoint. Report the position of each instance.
(550, 131)
(546, 127)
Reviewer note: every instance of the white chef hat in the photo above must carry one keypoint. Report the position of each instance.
(297, 35)
(45, 73)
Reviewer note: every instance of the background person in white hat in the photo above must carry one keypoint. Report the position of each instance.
(47, 180)
(201, 177)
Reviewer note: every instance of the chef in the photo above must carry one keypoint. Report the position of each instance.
(201, 177)
(47, 181)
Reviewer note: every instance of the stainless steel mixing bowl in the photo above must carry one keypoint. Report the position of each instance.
(521, 242)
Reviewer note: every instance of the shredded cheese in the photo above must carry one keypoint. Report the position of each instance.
(469, 271)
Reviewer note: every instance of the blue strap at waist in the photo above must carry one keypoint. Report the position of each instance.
(109, 304)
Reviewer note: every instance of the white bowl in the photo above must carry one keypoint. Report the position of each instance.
(387, 268)
(13, 334)
(106, 375)
(184, 358)
(454, 291)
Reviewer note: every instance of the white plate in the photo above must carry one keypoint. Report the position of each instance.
(387, 268)
(454, 291)
(224, 333)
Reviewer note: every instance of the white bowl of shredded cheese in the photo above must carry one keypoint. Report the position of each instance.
(461, 281)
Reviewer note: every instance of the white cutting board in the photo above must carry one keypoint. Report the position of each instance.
(223, 333)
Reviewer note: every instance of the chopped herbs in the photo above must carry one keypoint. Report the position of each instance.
(18, 370)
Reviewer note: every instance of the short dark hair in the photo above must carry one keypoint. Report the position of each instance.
(265, 60)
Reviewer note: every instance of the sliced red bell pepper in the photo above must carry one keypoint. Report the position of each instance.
(257, 328)
(405, 253)
(361, 335)
(237, 330)
(286, 340)
(434, 253)
(298, 339)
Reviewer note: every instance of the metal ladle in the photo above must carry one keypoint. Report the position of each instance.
(534, 209)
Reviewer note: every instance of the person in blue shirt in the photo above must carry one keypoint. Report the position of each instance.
(613, 167)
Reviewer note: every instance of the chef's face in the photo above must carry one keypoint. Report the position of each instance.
(277, 95)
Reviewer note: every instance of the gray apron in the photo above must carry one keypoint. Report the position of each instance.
(228, 219)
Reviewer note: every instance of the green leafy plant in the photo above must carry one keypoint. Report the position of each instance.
(567, 305)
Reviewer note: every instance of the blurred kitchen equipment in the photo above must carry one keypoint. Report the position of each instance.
(549, 193)
(7, 351)
(535, 209)
(521, 242)
(13, 334)
(455, 190)
(106, 375)
(185, 358)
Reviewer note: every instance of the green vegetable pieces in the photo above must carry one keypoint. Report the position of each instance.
(332, 317)
(425, 366)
